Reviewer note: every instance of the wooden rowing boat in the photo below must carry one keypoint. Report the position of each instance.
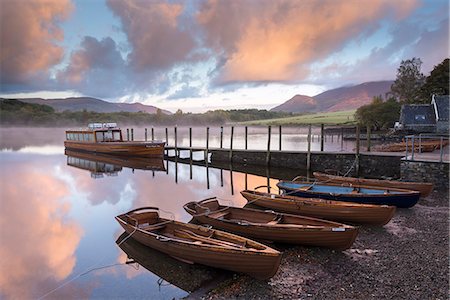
(424, 146)
(355, 193)
(424, 188)
(320, 208)
(196, 244)
(273, 226)
(107, 138)
(188, 277)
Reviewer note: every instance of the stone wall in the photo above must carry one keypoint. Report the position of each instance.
(434, 172)
(374, 166)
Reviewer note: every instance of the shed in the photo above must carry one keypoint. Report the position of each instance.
(441, 109)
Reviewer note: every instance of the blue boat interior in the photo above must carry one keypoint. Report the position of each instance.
(333, 189)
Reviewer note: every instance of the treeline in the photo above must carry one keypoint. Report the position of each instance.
(16, 113)
(410, 87)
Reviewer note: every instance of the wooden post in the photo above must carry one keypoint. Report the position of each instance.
(153, 134)
(132, 134)
(279, 133)
(368, 138)
(231, 143)
(308, 156)
(207, 177)
(342, 138)
(207, 144)
(221, 137)
(246, 134)
(176, 140)
(190, 144)
(128, 134)
(321, 136)
(358, 140)
(269, 134)
(145, 134)
(167, 136)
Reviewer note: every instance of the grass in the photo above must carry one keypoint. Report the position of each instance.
(329, 118)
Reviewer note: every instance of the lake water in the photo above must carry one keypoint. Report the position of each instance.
(58, 232)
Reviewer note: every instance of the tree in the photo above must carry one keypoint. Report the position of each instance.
(379, 114)
(438, 81)
(407, 85)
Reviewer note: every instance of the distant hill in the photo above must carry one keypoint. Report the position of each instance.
(340, 99)
(93, 104)
(297, 104)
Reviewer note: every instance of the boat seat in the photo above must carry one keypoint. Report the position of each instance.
(355, 191)
(219, 215)
(305, 188)
(276, 220)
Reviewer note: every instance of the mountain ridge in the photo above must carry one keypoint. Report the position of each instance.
(93, 104)
(338, 99)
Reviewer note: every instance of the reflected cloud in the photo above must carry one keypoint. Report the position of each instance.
(37, 240)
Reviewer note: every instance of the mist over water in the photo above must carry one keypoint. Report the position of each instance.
(57, 212)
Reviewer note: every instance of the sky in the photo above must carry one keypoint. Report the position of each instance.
(199, 55)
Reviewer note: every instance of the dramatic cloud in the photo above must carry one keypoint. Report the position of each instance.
(95, 69)
(277, 40)
(28, 38)
(153, 29)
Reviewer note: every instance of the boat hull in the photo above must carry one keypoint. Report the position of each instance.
(326, 209)
(132, 162)
(151, 149)
(368, 195)
(423, 188)
(261, 265)
(313, 232)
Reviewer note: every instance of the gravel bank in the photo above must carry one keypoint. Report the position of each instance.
(406, 259)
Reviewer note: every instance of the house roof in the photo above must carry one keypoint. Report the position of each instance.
(417, 114)
(441, 105)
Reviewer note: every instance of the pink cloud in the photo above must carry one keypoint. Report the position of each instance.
(28, 37)
(277, 40)
(37, 242)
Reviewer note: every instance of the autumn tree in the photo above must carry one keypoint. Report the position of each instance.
(379, 114)
(407, 86)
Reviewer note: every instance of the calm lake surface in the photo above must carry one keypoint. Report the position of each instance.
(58, 232)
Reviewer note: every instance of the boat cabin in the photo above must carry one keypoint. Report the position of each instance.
(96, 132)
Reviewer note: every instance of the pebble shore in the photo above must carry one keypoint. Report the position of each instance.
(406, 259)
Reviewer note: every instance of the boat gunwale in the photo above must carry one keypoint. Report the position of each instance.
(315, 201)
(329, 227)
(266, 251)
(401, 192)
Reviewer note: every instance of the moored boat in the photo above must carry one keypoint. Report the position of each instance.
(273, 226)
(340, 211)
(107, 138)
(197, 244)
(355, 193)
(424, 188)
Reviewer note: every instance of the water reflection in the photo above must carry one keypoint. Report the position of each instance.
(38, 238)
(110, 165)
(187, 277)
(57, 222)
